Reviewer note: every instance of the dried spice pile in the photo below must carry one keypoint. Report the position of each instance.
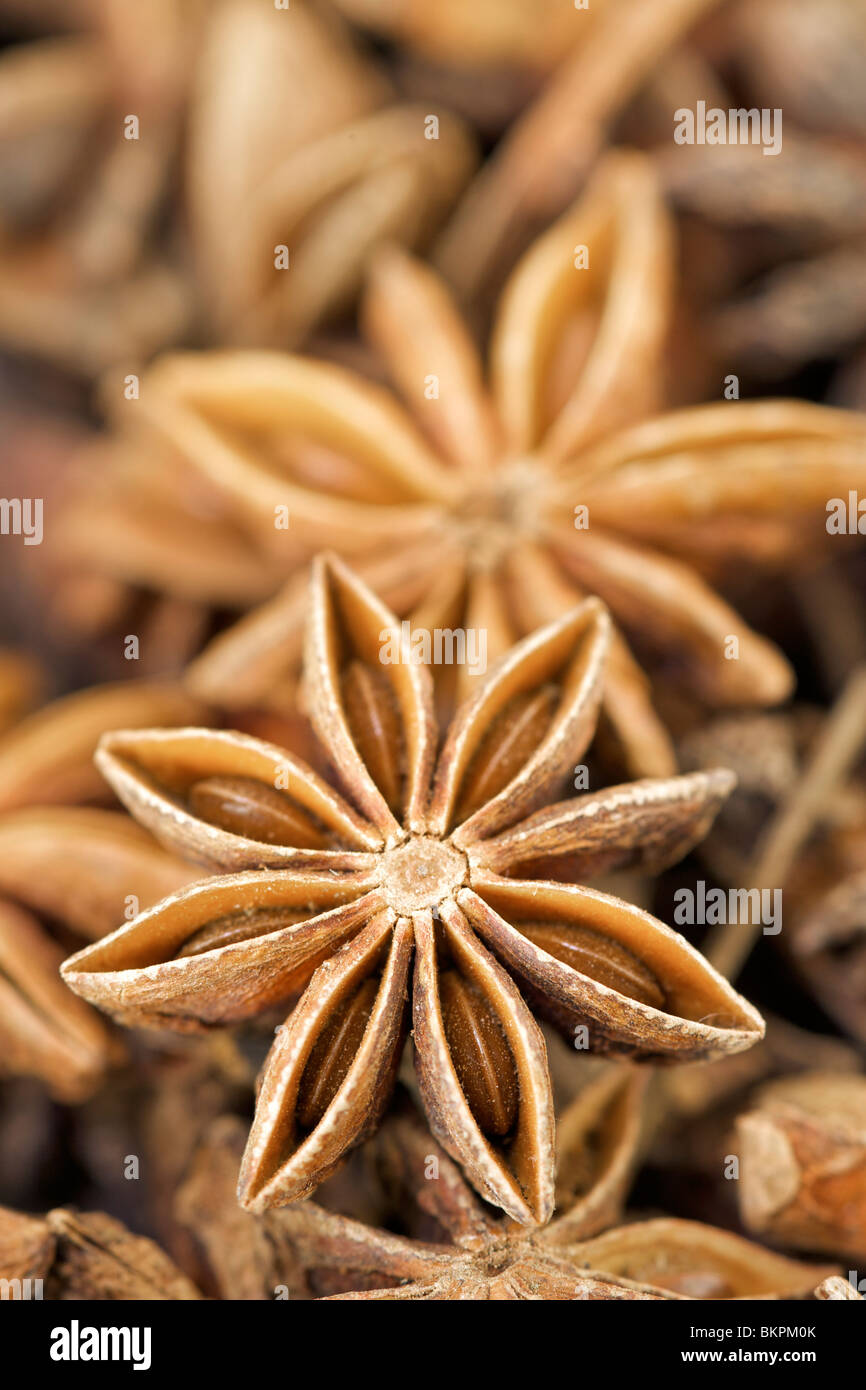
(433, 665)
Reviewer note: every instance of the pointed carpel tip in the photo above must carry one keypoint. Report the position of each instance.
(71, 974)
(601, 615)
(769, 677)
(107, 751)
(754, 1027)
(249, 1200)
(328, 565)
(108, 741)
(779, 679)
(112, 742)
(723, 780)
(542, 1213)
(321, 564)
(591, 613)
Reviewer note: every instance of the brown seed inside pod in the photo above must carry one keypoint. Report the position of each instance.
(333, 1053)
(480, 1053)
(592, 954)
(371, 713)
(512, 739)
(245, 806)
(238, 926)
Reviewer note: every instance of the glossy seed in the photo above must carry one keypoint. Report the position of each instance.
(333, 1053)
(371, 713)
(507, 746)
(245, 806)
(238, 926)
(592, 954)
(480, 1053)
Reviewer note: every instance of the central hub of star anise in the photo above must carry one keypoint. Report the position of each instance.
(420, 873)
(503, 504)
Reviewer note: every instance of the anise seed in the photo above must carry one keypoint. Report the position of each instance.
(245, 806)
(592, 954)
(333, 1053)
(513, 738)
(480, 1053)
(374, 724)
(238, 926)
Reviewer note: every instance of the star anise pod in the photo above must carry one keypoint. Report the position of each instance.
(298, 133)
(257, 1256)
(511, 33)
(803, 1163)
(469, 1254)
(418, 853)
(76, 868)
(46, 759)
(523, 497)
(766, 752)
(546, 154)
(836, 1288)
(126, 520)
(696, 1110)
(84, 277)
(85, 1255)
(247, 1257)
(268, 111)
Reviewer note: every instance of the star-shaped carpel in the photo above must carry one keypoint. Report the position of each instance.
(410, 867)
(456, 1249)
(519, 496)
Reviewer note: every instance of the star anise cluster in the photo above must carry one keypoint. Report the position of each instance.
(501, 501)
(432, 652)
(415, 866)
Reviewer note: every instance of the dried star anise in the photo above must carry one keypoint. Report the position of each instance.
(247, 1257)
(79, 867)
(468, 1254)
(545, 155)
(298, 133)
(836, 1288)
(419, 852)
(270, 113)
(480, 531)
(803, 1163)
(85, 1255)
(86, 278)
